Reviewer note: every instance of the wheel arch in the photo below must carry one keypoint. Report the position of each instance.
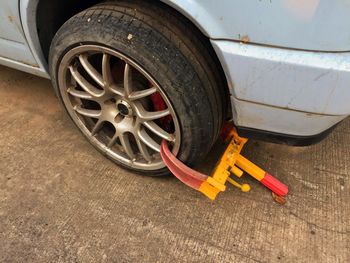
(42, 18)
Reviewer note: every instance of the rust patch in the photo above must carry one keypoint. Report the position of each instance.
(10, 18)
(245, 39)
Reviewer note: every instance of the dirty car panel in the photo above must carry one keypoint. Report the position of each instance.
(13, 44)
(271, 85)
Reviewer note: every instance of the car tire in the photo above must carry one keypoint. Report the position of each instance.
(161, 49)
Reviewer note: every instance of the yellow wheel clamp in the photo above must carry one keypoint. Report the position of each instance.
(231, 162)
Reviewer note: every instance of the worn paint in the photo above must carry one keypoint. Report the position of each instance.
(245, 39)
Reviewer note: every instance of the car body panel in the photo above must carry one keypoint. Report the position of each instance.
(13, 44)
(19, 44)
(10, 26)
(313, 82)
(282, 121)
(319, 25)
(285, 91)
(28, 17)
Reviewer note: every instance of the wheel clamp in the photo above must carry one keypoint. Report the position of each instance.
(231, 162)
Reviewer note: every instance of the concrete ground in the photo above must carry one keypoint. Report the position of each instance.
(61, 201)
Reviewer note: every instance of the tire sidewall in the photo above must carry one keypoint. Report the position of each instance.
(154, 52)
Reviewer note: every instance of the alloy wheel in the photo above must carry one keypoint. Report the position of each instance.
(119, 107)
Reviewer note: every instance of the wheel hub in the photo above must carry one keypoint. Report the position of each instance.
(124, 108)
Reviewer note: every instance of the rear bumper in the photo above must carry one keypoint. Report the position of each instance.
(284, 91)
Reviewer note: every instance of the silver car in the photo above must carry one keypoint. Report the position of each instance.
(131, 73)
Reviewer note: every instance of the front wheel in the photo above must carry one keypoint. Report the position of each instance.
(129, 80)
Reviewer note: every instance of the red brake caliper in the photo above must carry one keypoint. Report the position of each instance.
(158, 105)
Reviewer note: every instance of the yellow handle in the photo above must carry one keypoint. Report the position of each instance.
(250, 168)
(243, 187)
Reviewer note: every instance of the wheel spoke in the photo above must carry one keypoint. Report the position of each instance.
(143, 150)
(91, 70)
(153, 127)
(106, 70)
(146, 139)
(127, 79)
(149, 115)
(125, 142)
(84, 83)
(142, 93)
(87, 112)
(79, 94)
(117, 90)
(112, 141)
(107, 76)
(97, 127)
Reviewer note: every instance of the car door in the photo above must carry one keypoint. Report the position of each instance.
(13, 45)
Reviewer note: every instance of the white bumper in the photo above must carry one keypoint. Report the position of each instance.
(286, 91)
